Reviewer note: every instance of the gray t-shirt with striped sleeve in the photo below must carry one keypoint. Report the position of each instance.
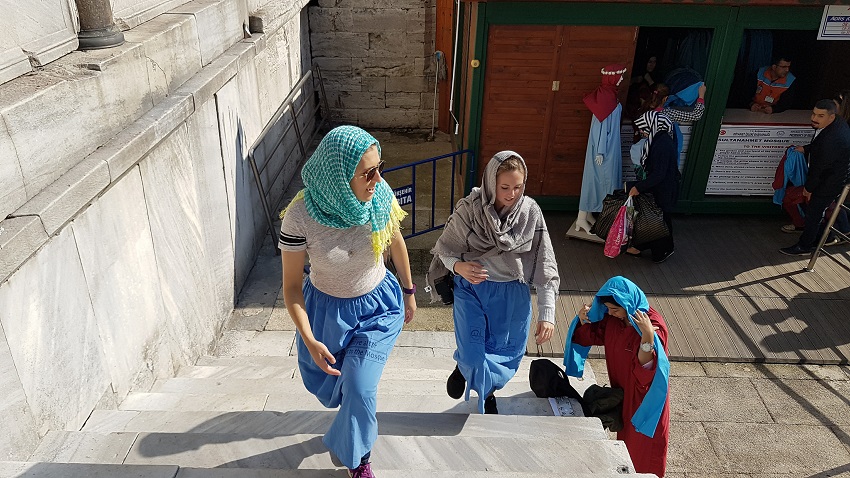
(342, 263)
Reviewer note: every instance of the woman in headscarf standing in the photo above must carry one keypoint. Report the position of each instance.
(496, 243)
(635, 339)
(659, 160)
(350, 310)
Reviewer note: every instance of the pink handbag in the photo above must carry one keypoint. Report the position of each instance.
(621, 230)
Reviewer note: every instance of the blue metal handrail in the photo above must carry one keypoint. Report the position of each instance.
(412, 166)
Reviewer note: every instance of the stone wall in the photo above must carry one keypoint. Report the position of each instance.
(133, 219)
(377, 58)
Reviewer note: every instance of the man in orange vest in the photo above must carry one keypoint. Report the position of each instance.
(773, 93)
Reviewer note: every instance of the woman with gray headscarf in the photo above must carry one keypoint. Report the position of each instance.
(496, 243)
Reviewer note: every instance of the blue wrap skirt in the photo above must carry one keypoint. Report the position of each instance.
(360, 332)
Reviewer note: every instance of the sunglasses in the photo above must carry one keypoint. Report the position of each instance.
(370, 173)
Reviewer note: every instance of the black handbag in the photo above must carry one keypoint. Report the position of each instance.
(548, 380)
(445, 288)
(610, 207)
(649, 222)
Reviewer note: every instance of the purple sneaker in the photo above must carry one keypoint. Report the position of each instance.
(362, 471)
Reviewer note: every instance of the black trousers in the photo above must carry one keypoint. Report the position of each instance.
(660, 247)
(814, 215)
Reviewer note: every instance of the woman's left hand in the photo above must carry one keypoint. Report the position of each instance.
(409, 307)
(644, 324)
(544, 331)
(634, 191)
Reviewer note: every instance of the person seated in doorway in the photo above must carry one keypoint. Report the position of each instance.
(640, 88)
(829, 170)
(774, 93)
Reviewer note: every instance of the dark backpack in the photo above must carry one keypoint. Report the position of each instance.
(548, 380)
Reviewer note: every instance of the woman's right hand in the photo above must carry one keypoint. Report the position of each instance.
(323, 357)
(582, 314)
(471, 271)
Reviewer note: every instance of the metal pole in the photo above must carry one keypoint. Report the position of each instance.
(839, 204)
(97, 26)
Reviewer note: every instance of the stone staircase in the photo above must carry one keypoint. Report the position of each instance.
(244, 413)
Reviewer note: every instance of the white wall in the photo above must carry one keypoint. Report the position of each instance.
(125, 266)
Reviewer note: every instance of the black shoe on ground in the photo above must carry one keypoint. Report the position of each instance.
(796, 250)
(456, 384)
(663, 257)
(490, 406)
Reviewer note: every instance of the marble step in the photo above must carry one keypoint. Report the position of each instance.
(13, 469)
(299, 422)
(139, 401)
(258, 473)
(436, 370)
(441, 453)
(94, 470)
(265, 367)
(294, 386)
(237, 343)
(445, 364)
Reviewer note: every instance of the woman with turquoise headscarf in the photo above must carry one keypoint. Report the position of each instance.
(635, 339)
(350, 310)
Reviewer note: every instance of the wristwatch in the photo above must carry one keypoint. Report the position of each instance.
(647, 346)
(409, 291)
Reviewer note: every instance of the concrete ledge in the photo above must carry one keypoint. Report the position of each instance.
(131, 145)
(85, 470)
(168, 67)
(57, 204)
(275, 14)
(221, 23)
(132, 16)
(98, 93)
(12, 191)
(20, 237)
(212, 77)
(13, 63)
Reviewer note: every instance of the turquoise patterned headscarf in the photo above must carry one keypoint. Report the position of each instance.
(327, 191)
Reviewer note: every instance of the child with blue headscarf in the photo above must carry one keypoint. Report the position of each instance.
(350, 310)
(635, 339)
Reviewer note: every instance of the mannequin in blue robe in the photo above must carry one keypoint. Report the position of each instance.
(603, 161)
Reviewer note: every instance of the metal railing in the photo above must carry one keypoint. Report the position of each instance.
(408, 193)
(829, 230)
(306, 116)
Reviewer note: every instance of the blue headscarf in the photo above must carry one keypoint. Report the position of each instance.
(630, 297)
(327, 193)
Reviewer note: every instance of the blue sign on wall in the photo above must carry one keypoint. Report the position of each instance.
(404, 195)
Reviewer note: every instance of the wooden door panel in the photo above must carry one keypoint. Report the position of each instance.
(521, 112)
(585, 51)
(521, 65)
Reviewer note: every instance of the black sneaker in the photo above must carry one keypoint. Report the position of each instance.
(796, 250)
(490, 406)
(663, 257)
(456, 384)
